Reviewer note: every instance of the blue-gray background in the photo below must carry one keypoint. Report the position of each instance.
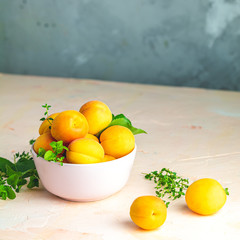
(170, 42)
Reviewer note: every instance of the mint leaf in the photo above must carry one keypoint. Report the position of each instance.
(65, 148)
(10, 171)
(3, 192)
(13, 179)
(50, 156)
(4, 163)
(41, 152)
(10, 193)
(57, 147)
(34, 182)
(53, 145)
(13, 176)
(32, 141)
(21, 182)
(25, 164)
(60, 159)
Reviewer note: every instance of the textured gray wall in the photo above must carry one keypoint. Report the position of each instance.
(172, 42)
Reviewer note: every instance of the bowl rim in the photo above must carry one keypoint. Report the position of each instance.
(82, 164)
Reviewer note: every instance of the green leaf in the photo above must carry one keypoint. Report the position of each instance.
(136, 131)
(3, 192)
(41, 152)
(122, 120)
(32, 141)
(25, 164)
(14, 175)
(34, 182)
(226, 191)
(10, 171)
(28, 173)
(65, 148)
(50, 156)
(21, 182)
(42, 119)
(53, 145)
(121, 116)
(13, 179)
(10, 193)
(4, 163)
(57, 147)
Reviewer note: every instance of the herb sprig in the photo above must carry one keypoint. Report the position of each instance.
(14, 175)
(47, 107)
(168, 183)
(53, 155)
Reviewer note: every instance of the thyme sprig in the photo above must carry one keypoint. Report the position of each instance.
(47, 107)
(168, 183)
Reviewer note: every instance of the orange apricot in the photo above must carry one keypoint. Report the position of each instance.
(43, 141)
(97, 114)
(44, 127)
(90, 136)
(117, 141)
(108, 158)
(68, 126)
(148, 212)
(84, 151)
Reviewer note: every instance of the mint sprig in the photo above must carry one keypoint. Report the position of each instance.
(122, 120)
(14, 175)
(53, 155)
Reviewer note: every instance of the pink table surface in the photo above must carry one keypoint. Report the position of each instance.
(194, 132)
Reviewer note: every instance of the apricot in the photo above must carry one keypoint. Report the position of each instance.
(90, 136)
(97, 114)
(205, 196)
(68, 126)
(44, 127)
(43, 141)
(148, 212)
(84, 151)
(108, 158)
(117, 141)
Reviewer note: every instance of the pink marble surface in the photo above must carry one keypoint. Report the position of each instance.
(192, 131)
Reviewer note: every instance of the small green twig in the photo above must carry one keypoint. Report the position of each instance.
(168, 184)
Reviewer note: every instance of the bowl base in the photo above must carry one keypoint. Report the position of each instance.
(86, 199)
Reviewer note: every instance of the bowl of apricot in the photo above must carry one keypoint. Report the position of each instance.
(84, 155)
(84, 182)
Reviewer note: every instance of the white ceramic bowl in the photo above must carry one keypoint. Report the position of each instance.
(85, 182)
